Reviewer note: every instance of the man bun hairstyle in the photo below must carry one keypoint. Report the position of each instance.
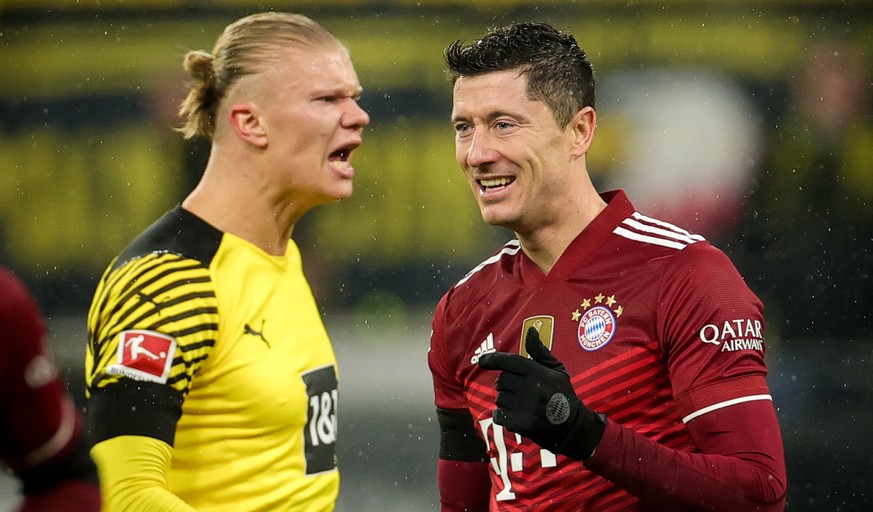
(199, 106)
(558, 72)
(247, 46)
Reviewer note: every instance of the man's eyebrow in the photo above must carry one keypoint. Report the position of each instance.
(489, 118)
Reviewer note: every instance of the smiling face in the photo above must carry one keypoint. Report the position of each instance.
(516, 158)
(309, 110)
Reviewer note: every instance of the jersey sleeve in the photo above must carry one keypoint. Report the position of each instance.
(712, 330)
(448, 389)
(133, 475)
(152, 323)
(462, 470)
(741, 467)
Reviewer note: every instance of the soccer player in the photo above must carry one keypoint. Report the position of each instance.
(42, 437)
(601, 360)
(211, 379)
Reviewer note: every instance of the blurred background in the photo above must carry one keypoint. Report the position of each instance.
(747, 122)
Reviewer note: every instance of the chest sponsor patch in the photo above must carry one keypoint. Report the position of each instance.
(321, 422)
(144, 355)
(596, 328)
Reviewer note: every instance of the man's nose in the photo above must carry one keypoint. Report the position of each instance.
(481, 149)
(356, 117)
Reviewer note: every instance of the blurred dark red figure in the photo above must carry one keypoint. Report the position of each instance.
(41, 433)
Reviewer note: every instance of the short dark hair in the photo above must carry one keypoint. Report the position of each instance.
(558, 72)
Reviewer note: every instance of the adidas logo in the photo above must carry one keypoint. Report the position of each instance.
(486, 347)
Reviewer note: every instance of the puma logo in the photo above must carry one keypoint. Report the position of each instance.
(260, 334)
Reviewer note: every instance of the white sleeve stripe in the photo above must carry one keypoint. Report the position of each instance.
(722, 405)
(639, 226)
(648, 239)
(667, 225)
(510, 248)
(58, 441)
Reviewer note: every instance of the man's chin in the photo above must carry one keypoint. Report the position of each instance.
(343, 192)
(495, 218)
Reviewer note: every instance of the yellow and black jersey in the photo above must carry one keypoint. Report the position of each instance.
(201, 340)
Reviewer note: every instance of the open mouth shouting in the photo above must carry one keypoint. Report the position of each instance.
(340, 159)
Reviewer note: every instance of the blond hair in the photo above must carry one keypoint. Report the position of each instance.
(246, 47)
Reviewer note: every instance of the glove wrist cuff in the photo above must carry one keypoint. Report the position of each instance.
(580, 445)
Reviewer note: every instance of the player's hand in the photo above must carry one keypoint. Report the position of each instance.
(536, 400)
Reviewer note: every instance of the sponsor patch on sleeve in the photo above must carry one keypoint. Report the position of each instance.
(144, 355)
(733, 335)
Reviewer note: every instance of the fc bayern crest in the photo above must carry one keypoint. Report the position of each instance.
(596, 328)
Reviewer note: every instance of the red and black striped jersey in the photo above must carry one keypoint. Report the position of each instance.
(654, 324)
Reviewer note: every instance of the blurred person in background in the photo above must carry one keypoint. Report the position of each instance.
(43, 435)
(602, 360)
(210, 377)
(806, 241)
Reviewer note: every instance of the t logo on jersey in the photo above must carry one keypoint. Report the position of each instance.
(545, 325)
(144, 355)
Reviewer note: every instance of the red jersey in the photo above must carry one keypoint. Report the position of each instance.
(39, 420)
(41, 433)
(654, 325)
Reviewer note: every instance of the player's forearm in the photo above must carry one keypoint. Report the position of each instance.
(663, 477)
(140, 498)
(463, 486)
(462, 470)
(133, 475)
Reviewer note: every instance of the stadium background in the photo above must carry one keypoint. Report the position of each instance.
(689, 94)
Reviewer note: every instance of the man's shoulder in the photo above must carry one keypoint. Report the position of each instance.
(485, 273)
(179, 232)
(481, 280)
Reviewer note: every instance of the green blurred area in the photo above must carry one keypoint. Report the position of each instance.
(89, 91)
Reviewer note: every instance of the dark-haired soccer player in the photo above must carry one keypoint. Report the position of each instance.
(645, 387)
(41, 433)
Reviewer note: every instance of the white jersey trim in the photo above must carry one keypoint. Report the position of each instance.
(511, 248)
(667, 225)
(722, 405)
(59, 440)
(641, 228)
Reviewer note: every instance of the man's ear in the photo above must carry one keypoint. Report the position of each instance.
(583, 125)
(246, 123)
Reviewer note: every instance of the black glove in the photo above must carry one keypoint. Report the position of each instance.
(536, 400)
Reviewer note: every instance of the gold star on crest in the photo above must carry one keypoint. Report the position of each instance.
(609, 301)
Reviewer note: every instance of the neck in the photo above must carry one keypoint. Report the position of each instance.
(545, 244)
(244, 204)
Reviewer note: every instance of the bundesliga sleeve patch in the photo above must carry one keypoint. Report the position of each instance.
(144, 355)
